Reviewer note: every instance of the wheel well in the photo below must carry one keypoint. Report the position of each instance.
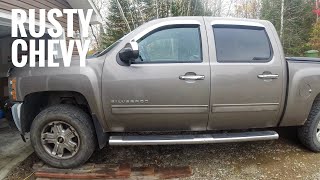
(315, 102)
(36, 102)
(315, 105)
(317, 98)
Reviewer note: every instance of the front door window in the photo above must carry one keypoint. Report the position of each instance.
(172, 45)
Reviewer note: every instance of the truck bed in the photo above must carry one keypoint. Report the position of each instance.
(303, 59)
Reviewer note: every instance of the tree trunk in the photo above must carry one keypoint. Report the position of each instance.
(123, 15)
(282, 20)
(138, 6)
(156, 1)
(317, 7)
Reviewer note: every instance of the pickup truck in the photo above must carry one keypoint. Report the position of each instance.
(181, 80)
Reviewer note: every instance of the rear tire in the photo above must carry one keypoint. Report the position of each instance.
(63, 136)
(309, 133)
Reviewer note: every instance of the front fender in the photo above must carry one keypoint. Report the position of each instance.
(83, 80)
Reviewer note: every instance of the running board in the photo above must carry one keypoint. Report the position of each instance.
(193, 139)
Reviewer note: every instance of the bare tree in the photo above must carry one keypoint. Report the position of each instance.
(123, 15)
(157, 10)
(130, 5)
(98, 29)
(229, 9)
(281, 19)
(248, 9)
(139, 10)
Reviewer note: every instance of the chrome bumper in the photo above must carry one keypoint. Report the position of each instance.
(16, 111)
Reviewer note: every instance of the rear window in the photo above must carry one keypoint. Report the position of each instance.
(242, 44)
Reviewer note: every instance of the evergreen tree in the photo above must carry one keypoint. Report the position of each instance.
(298, 20)
(189, 8)
(123, 17)
(315, 37)
(126, 15)
(271, 11)
(116, 26)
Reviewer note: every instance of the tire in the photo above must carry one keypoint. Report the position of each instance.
(63, 136)
(307, 133)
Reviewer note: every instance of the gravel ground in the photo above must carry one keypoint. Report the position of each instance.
(281, 159)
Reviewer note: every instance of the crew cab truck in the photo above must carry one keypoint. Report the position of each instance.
(183, 80)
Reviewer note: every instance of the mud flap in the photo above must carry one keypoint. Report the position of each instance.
(102, 137)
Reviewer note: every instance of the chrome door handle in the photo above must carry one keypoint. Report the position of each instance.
(192, 77)
(268, 76)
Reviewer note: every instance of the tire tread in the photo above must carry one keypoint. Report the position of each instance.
(306, 132)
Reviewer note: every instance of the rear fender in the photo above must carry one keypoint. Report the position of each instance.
(304, 87)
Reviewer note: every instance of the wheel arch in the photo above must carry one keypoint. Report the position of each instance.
(35, 102)
(297, 115)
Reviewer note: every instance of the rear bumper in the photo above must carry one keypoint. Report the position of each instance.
(16, 114)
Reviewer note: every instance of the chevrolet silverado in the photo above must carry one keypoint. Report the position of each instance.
(182, 80)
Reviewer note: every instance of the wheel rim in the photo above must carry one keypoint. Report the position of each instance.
(318, 132)
(60, 140)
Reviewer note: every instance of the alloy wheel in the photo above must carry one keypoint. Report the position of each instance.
(60, 140)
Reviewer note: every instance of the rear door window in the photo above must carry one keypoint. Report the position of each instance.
(242, 44)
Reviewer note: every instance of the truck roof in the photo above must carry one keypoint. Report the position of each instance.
(213, 18)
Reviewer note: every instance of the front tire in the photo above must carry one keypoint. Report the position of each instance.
(63, 136)
(309, 133)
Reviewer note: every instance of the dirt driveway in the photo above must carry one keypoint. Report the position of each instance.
(12, 149)
(281, 159)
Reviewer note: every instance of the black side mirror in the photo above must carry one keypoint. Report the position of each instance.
(129, 53)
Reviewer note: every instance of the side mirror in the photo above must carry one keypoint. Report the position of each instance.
(129, 53)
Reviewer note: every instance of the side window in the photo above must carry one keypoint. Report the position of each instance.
(242, 44)
(171, 45)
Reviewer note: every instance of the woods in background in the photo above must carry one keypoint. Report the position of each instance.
(126, 15)
(299, 30)
(298, 20)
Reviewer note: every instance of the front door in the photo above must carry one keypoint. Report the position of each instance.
(167, 88)
(248, 81)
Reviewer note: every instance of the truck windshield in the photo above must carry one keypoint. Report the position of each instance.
(112, 46)
(109, 48)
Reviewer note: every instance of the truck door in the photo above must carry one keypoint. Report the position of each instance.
(167, 88)
(247, 86)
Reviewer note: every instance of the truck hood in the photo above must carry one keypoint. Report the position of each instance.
(91, 63)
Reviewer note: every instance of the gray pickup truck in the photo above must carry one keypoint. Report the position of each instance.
(184, 80)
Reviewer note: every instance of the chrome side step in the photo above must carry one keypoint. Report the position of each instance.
(193, 139)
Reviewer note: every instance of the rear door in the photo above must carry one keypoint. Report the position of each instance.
(247, 79)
